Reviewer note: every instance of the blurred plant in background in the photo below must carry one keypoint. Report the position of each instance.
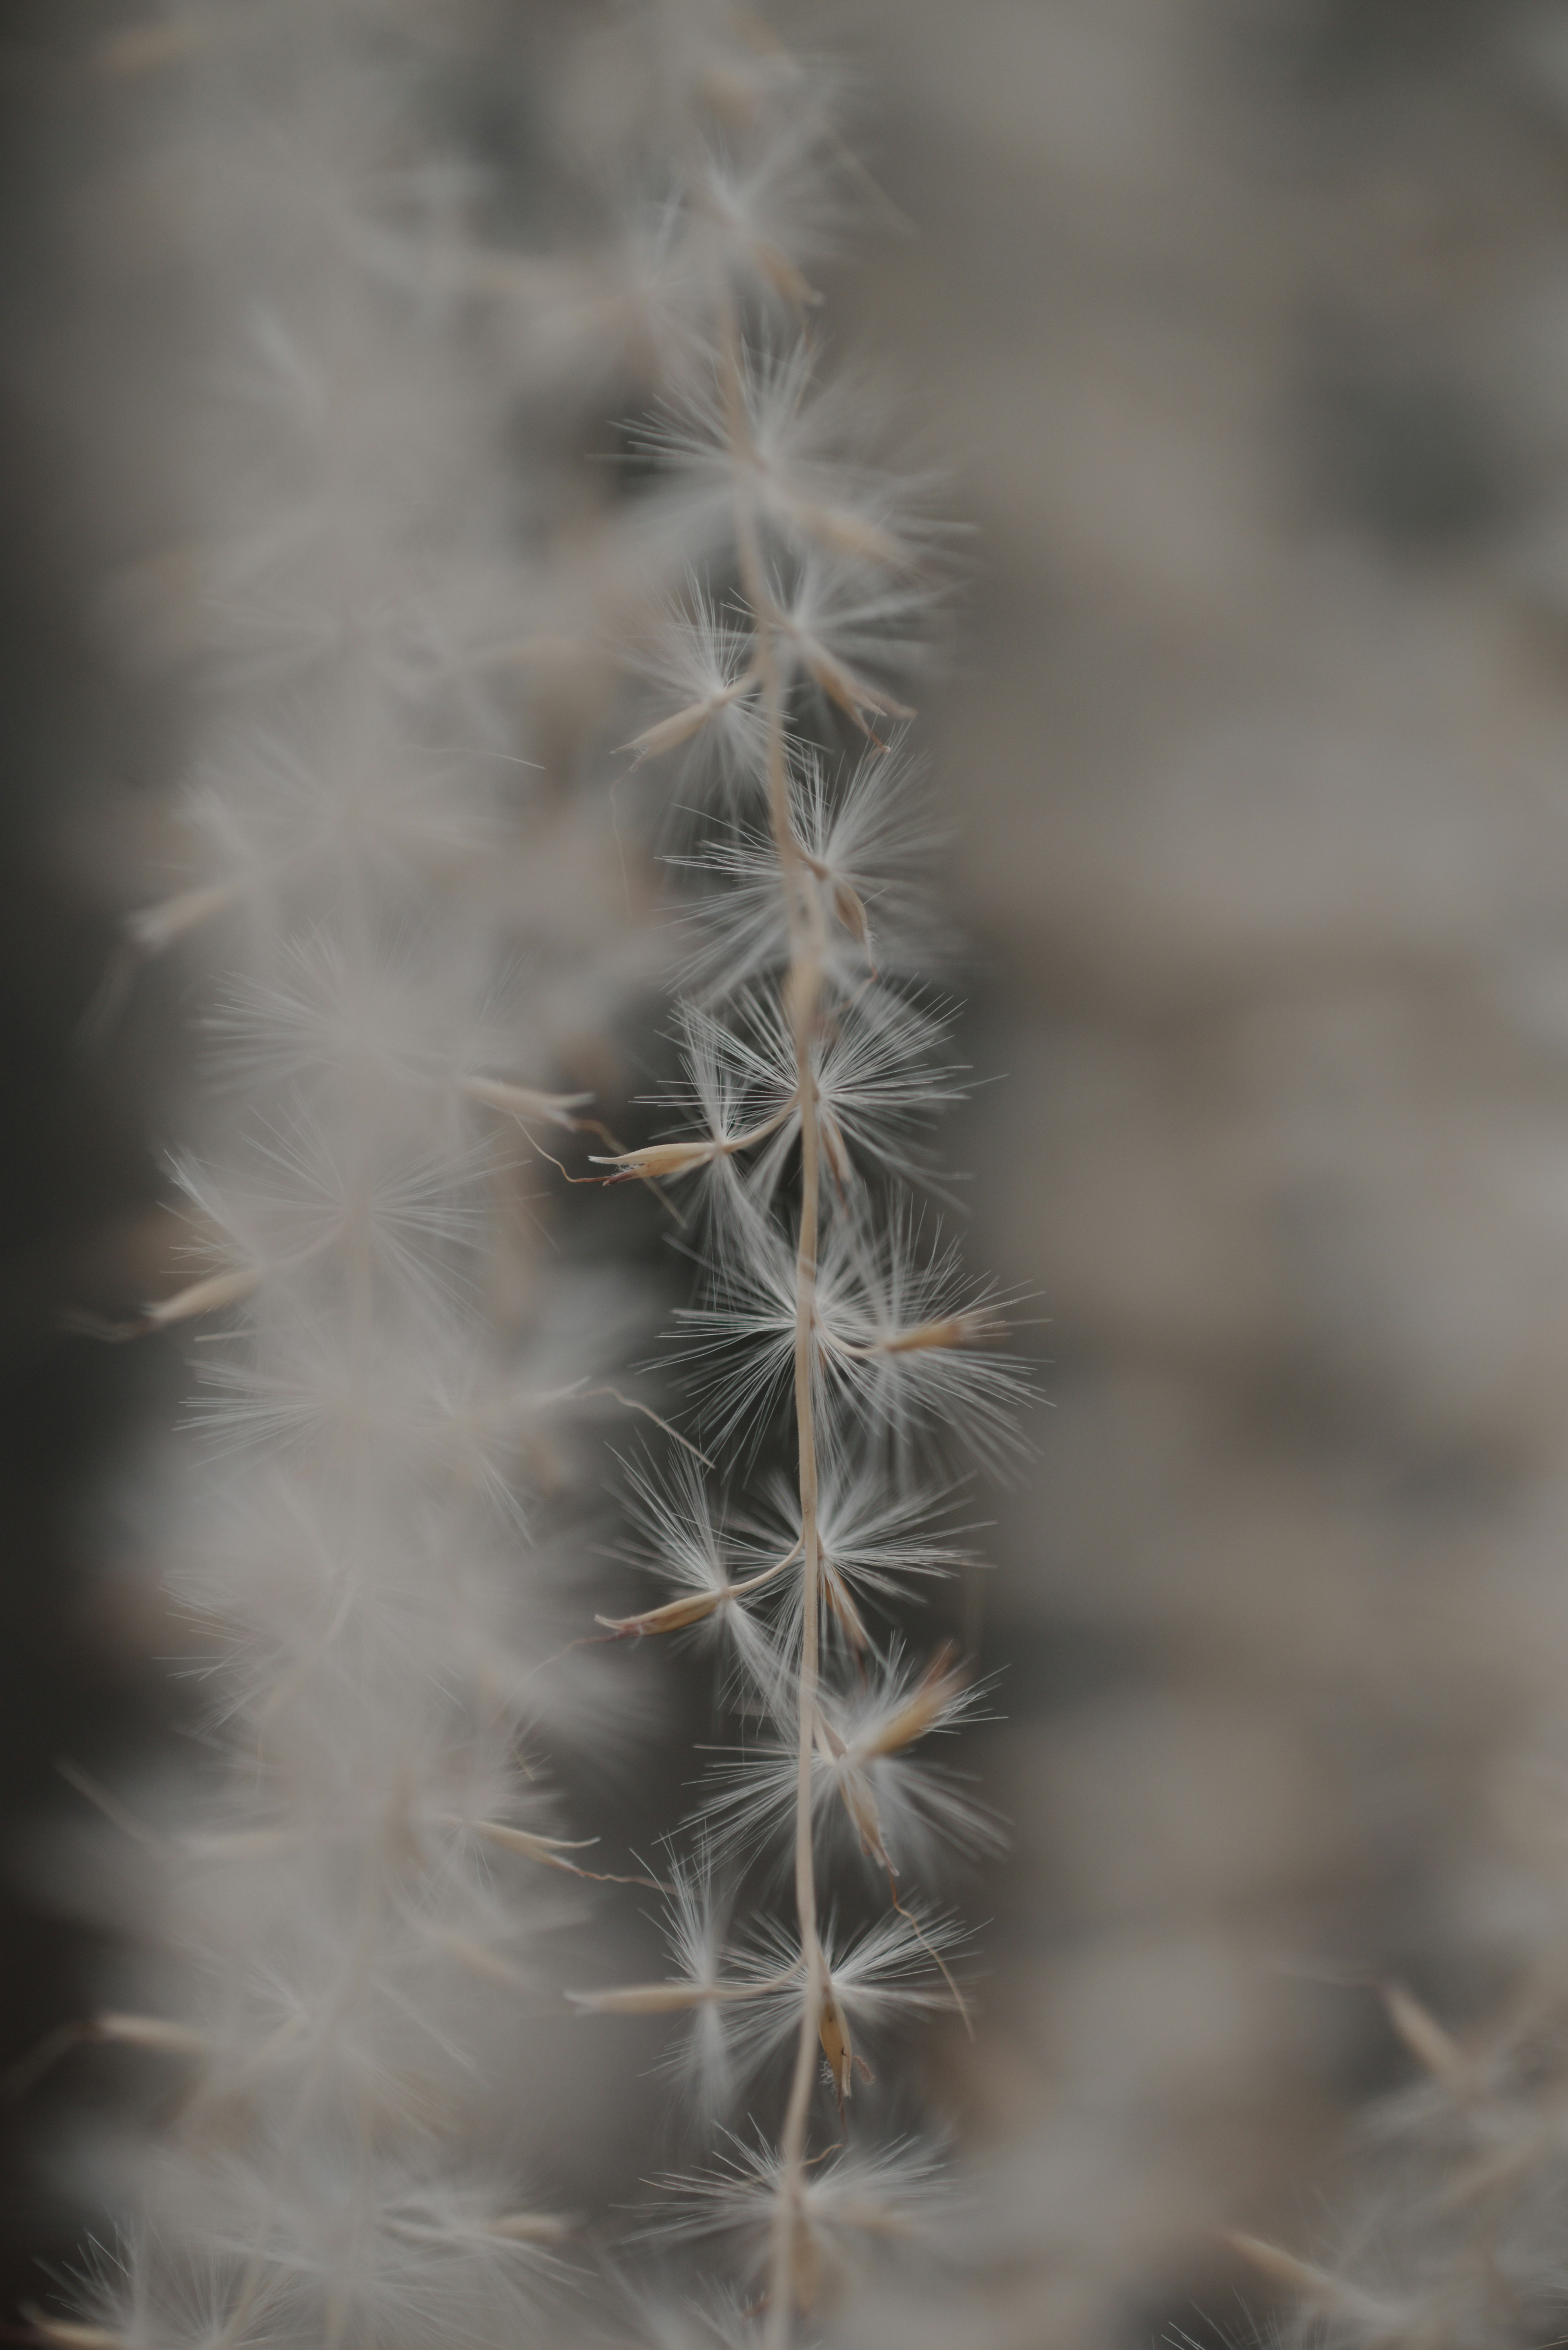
(1251, 321)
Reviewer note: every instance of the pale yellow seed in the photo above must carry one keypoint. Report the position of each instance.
(914, 1717)
(151, 2032)
(153, 928)
(1423, 2035)
(207, 1296)
(531, 2227)
(643, 1999)
(674, 1617)
(680, 727)
(660, 1160)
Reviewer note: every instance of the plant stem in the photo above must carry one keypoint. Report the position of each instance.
(803, 987)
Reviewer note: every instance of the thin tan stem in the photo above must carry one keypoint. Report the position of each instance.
(803, 987)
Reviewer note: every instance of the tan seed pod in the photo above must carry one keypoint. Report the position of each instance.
(152, 2032)
(660, 1160)
(674, 1617)
(971, 1329)
(668, 733)
(152, 928)
(940, 1684)
(208, 1295)
(1425, 2037)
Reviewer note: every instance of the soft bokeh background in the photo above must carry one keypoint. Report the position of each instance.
(1248, 321)
(77, 1177)
(1251, 323)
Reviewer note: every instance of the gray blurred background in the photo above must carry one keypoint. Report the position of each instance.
(1248, 323)
(1249, 319)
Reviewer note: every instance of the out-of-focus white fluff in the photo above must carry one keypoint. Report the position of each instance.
(409, 930)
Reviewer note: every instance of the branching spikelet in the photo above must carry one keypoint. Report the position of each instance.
(833, 1328)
